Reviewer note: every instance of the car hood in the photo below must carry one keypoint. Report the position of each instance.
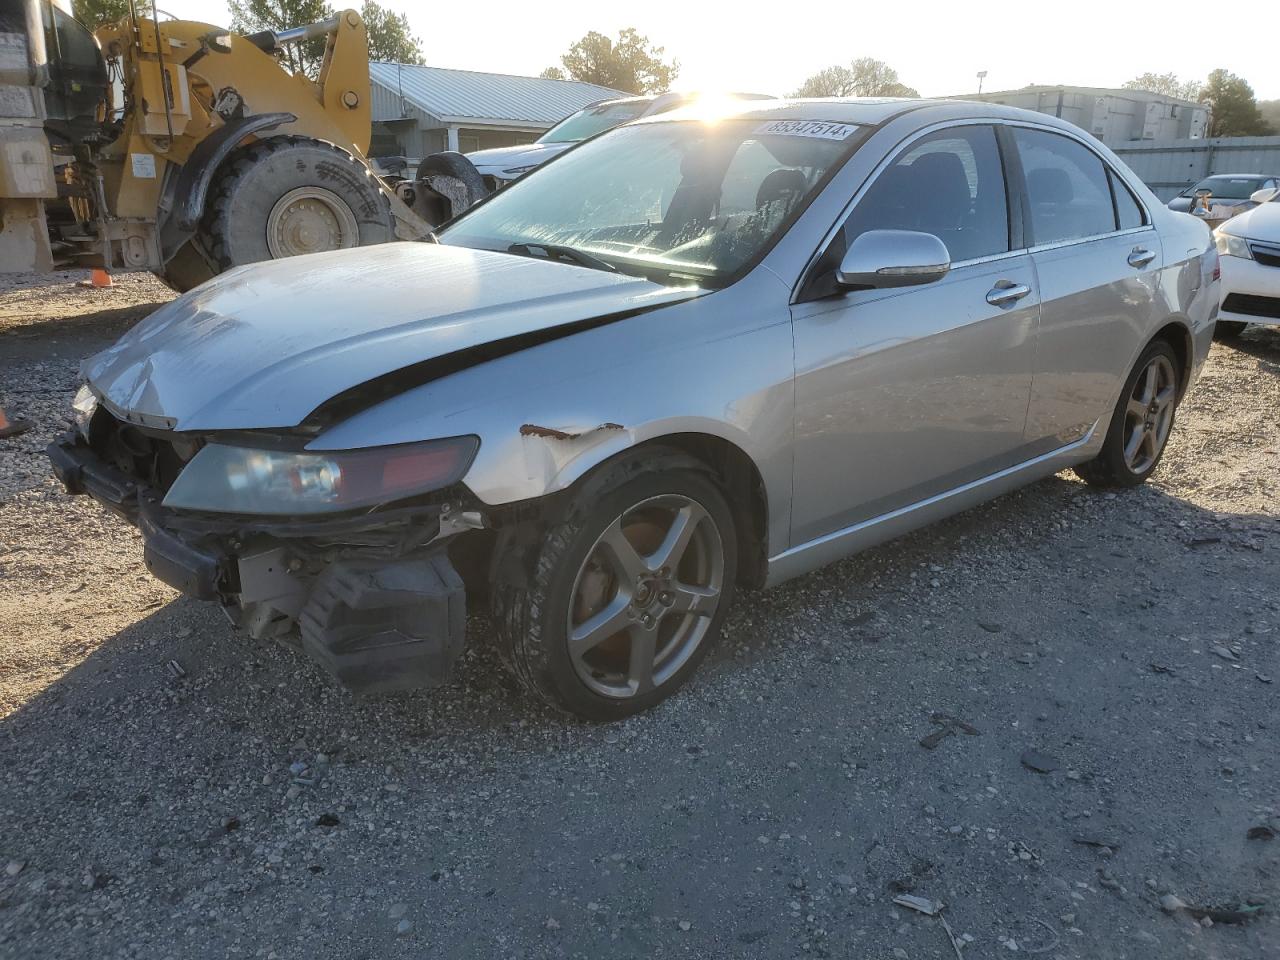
(500, 159)
(1260, 223)
(264, 345)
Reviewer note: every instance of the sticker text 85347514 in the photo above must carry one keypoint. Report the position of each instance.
(819, 129)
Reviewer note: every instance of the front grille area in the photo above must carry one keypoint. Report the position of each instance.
(1266, 255)
(1253, 306)
(152, 457)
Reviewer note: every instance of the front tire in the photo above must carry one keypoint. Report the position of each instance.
(1141, 423)
(626, 592)
(286, 196)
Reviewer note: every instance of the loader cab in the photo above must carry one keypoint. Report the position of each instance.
(70, 67)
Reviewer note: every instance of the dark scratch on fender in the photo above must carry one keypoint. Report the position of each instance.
(551, 433)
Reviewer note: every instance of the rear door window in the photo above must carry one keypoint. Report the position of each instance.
(1068, 195)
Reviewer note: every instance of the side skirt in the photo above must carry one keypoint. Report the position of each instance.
(868, 533)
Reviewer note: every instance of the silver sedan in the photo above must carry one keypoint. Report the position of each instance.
(697, 354)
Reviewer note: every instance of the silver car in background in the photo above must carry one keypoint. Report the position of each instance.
(697, 354)
(502, 165)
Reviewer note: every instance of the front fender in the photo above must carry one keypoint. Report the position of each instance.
(720, 365)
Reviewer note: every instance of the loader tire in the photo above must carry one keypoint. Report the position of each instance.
(286, 196)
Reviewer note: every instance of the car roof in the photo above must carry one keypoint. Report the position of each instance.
(870, 111)
(671, 95)
(867, 110)
(611, 101)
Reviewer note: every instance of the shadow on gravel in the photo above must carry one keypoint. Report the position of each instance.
(1260, 342)
(105, 325)
(188, 652)
(191, 806)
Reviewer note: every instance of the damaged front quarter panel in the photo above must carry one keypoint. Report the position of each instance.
(549, 449)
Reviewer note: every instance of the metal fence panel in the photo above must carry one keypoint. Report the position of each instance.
(1170, 166)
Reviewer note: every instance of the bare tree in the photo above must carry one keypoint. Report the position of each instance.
(1166, 84)
(864, 77)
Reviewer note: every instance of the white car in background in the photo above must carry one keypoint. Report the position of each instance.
(1249, 246)
(500, 165)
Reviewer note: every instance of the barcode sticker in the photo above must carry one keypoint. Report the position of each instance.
(818, 129)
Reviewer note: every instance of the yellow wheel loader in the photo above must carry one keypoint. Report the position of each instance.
(182, 148)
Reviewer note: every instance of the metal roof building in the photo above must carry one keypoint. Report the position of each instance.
(418, 110)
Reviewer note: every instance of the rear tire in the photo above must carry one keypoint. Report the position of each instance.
(1228, 329)
(286, 196)
(602, 562)
(1141, 423)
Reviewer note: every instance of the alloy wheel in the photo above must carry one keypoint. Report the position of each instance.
(645, 596)
(1149, 414)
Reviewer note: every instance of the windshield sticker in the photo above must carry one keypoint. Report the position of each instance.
(818, 129)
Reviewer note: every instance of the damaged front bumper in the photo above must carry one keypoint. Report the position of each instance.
(372, 598)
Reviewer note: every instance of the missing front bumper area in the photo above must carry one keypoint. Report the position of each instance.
(378, 610)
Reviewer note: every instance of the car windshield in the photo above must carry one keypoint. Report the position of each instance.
(1228, 188)
(593, 120)
(676, 202)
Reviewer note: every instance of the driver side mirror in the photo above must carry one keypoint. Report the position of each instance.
(1263, 195)
(893, 258)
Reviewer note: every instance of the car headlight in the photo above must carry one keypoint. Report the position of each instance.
(1232, 246)
(83, 407)
(226, 479)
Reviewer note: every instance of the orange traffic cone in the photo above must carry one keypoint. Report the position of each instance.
(11, 428)
(100, 280)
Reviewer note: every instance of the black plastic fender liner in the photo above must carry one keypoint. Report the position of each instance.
(379, 625)
(197, 173)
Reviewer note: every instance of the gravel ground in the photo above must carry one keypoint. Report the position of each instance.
(248, 808)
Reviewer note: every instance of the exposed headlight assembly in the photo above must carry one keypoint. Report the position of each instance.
(226, 479)
(83, 408)
(1231, 246)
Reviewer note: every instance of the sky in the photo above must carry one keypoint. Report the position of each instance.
(936, 47)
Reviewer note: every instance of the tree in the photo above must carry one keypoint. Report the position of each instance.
(1233, 106)
(864, 77)
(389, 34)
(553, 73)
(1166, 84)
(251, 16)
(1270, 110)
(629, 64)
(94, 13)
(390, 39)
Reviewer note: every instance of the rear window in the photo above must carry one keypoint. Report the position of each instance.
(587, 123)
(1229, 188)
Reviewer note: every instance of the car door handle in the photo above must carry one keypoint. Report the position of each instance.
(1140, 257)
(1006, 292)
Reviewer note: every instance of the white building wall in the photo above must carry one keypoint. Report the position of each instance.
(1113, 116)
